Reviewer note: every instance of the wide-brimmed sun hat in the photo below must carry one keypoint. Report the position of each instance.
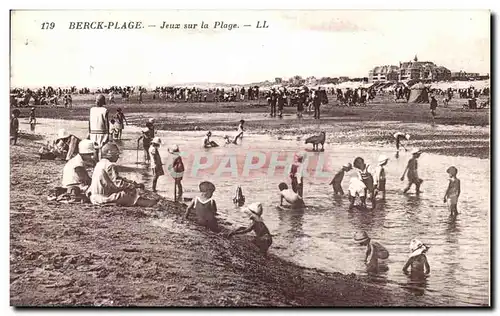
(110, 150)
(86, 146)
(206, 186)
(416, 151)
(361, 236)
(151, 120)
(209, 133)
(62, 133)
(407, 136)
(417, 247)
(347, 165)
(156, 140)
(174, 149)
(382, 159)
(255, 209)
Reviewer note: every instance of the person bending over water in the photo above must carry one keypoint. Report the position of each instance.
(374, 252)
(291, 197)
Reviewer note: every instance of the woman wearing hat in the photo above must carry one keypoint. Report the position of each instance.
(417, 260)
(374, 252)
(176, 170)
(263, 238)
(379, 178)
(412, 169)
(108, 187)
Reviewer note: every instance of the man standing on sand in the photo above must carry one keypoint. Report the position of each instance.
(99, 123)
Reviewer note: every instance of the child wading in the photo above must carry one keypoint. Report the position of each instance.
(367, 178)
(263, 238)
(147, 136)
(291, 197)
(399, 137)
(453, 191)
(418, 261)
(412, 169)
(120, 117)
(379, 179)
(176, 170)
(204, 207)
(239, 198)
(14, 126)
(114, 130)
(297, 175)
(157, 166)
(374, 252)
(336, 182)
(240, 132)
(32, 119)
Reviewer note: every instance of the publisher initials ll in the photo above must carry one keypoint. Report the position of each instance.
(263, 25)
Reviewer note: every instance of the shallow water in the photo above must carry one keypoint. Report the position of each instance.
(321, 235)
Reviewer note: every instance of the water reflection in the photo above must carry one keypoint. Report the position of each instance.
(416, 283)
(291, 222)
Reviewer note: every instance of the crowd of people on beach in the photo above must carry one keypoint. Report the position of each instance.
(100, 152)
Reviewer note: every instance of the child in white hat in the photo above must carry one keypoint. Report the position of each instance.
(418, 260)
(412, 169)
(336, 182)
(379, 178)
(263, 238)
(374, 252)
(157, 165)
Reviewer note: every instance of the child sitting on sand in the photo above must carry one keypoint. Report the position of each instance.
(453, 191)
(418, 261)
(412, 169)
(336, 182)
(207, 143)
(374, 252)
(204, 207)
(291, 197)
(263, 238)
(157, 166)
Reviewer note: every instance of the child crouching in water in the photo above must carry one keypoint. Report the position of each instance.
(291, 197)
(157, 166)
(453, 191)
(263, 238)
(374, 252)
(418, 261)
(204, 207)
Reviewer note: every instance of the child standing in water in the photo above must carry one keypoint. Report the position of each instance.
(204, 207)
(176, 169)
(157, 166)
(32, 119)
(297, 175)
(263, 238)
(453, 191)
(240, 132)
(418, 260)
(367, 178)
(374, 252)
(379, 179)
(336, 182)
(412, 169)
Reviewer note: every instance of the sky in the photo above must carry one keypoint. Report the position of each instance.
(305, 43)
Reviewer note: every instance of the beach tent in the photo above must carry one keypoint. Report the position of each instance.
(418, 94)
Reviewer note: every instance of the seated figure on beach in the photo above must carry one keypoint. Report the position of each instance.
(108, 187)
(207, 143)
(263, 238)
(204, 207)
(374, 252)
(289, 196)
(63, 147)
(75, 177)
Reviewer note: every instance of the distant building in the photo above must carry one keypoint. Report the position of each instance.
(383, 74)
(462, 75)
(423, 70)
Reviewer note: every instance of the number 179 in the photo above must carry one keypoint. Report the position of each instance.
(48, 26)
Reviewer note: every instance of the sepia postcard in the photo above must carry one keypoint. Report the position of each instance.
(225, 158)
